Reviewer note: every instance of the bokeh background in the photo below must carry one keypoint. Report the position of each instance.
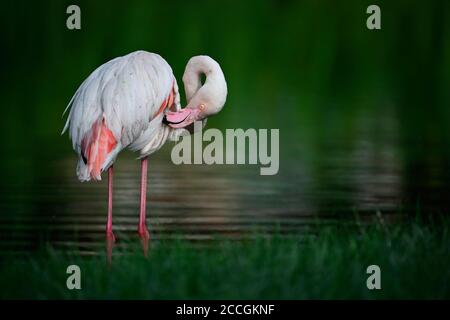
(363, 115)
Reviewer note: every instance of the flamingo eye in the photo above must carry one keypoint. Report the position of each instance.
(202, 107)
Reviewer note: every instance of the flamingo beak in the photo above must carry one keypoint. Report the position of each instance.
(182, 118)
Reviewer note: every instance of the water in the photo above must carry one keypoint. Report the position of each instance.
(365, 183)
(192, 202)
(327, 177)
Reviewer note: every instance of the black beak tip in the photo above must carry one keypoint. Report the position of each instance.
(164, 120)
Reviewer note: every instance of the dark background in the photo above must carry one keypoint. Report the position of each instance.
(351, 104)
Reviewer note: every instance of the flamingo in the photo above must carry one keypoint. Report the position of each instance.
(133, 102)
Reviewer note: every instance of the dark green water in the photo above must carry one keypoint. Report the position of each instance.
(365, 181)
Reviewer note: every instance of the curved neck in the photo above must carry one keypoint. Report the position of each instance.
(196, 67)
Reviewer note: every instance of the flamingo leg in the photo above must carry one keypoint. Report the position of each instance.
(110, 239)
(142, 228)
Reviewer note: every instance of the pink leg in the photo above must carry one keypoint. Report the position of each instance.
(110, 239)
(142, 228)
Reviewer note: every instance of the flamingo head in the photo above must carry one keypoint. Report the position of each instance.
(204, 99)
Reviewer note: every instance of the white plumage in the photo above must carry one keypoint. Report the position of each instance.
(127, 93)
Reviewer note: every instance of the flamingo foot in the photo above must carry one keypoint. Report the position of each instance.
(110, 240)
(144, 235)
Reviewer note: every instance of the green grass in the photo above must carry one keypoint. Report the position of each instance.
(414, 259)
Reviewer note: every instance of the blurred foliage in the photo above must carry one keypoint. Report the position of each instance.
(311, 68)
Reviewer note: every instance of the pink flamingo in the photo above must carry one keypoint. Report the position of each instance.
(133, 102)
